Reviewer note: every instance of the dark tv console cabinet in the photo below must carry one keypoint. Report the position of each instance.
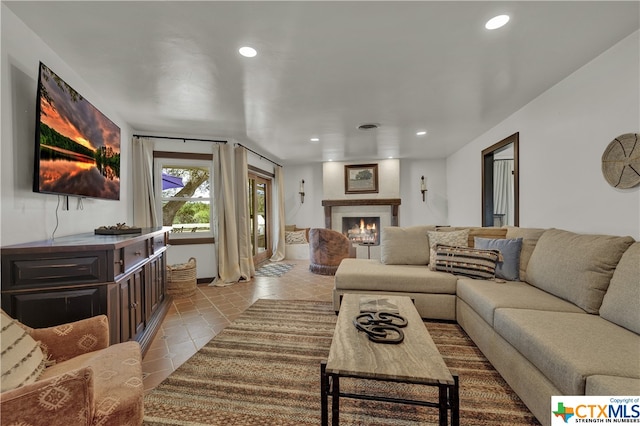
(47, 283)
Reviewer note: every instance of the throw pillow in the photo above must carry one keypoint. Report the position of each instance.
(405, 246)
(289, 228)
(454, 238)
(22, 360)
(295, 237)
(469, 262)
(509, 268)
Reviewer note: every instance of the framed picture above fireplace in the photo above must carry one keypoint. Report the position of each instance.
(360, 178)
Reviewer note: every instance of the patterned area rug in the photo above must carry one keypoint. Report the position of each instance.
(274, 269)
(264, 369)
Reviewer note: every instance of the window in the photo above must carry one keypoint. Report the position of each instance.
(184, 196)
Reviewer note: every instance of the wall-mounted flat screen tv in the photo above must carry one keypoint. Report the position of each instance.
(77, 147)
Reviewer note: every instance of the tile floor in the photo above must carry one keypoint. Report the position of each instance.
(192, 322)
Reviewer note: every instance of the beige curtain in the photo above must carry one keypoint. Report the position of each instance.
(144, 200)
(227, 241)
(278, 243)
(233, 240)
(247, 268)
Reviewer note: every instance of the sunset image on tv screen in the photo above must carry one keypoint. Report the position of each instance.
(79, 147)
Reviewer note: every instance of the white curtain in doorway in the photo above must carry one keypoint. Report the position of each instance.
(144, 200)
(503, 190)
(278, 243)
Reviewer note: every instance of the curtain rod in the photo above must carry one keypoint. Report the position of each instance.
(179, 139)
(259, 155)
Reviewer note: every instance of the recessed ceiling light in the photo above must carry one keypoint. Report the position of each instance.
(421, 133)
(248, 52)
(496, 22)
(315, 139)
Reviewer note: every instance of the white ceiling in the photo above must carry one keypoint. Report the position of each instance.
(323, 68)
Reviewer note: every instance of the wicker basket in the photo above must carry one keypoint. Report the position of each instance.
(181, 279)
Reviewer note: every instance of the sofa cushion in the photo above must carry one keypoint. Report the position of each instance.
(371, 275)
(484, 297)
(117, 381)
(452, 238)
(620, 303)
(576, 267)
(405, 246)
(610, 385)
(508, 266)
(530, 238)
(467, 261)
(22, 360)
(567, 347)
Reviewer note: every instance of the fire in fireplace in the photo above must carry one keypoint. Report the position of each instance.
(362, 230)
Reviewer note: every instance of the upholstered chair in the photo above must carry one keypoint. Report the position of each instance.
(72, 377)
(327, 248)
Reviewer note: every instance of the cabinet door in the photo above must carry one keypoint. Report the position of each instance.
(155, 286)
(50, 308)
(131, 305)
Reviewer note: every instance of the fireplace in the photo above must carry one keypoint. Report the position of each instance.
(362, 230)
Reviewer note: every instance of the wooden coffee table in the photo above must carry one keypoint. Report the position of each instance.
(416, 360)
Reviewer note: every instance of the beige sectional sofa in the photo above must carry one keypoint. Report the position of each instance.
(569, 326)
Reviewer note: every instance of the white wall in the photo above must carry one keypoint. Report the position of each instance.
(25, 215)
(398, 179)
(309, 214)
(563, 134)
(333, 179)
(413, 211)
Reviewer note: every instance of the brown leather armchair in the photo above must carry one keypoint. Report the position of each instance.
(86, 381)
(327, 248)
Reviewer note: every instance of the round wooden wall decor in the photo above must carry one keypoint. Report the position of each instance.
(621, 161)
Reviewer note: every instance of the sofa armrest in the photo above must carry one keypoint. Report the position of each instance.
(67, 341)
(57, 401)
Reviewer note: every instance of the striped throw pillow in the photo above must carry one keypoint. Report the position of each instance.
(22, 359)
(467, 261)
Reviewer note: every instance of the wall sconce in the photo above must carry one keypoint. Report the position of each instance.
(301, 191)
(423, 188)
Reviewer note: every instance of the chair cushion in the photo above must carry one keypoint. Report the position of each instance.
(576, 267)
(567, 348)
(453, 238)
(507, 268)
(467, 261)
(405, 246)
(620, 303)
(22, 360)
(117, 380)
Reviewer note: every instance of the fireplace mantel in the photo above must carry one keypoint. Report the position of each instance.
(394, 203)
